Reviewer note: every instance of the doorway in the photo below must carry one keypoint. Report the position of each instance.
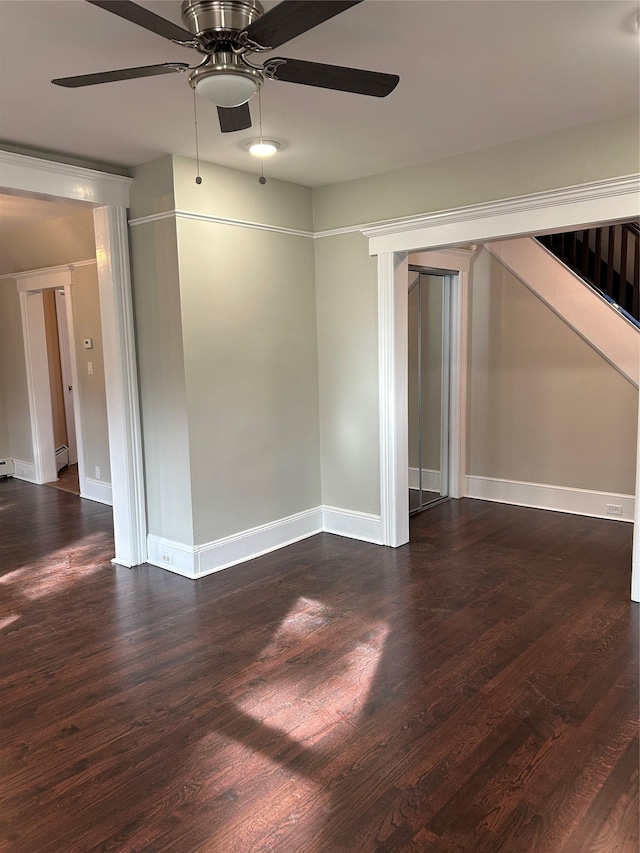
(109, 196)
(429, 311)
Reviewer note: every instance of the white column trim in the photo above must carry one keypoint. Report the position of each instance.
(458, 383)
(121, 385)
(393, 398)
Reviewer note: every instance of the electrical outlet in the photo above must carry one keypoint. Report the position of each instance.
(168, 559)
(90, 368)
(97, 472)
(614, 509)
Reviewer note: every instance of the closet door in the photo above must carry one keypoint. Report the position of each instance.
(429, 344)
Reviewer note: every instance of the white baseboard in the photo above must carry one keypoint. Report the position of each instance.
(96, 490)
(25, 471)
(6, 467)
(199, 560)
(431, 480)
(171, 555)
(556, 498)
(355, 525)
(194, 561)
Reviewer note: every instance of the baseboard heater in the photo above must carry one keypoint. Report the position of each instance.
(6, 467)
(62, 457)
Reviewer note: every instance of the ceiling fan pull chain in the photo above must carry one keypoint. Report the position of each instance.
(195, 121)
(261, 179)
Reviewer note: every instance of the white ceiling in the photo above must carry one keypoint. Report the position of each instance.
(474, 73)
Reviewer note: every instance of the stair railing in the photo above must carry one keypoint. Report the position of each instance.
(607, 258)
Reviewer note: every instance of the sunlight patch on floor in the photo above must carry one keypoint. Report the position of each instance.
(49, 572)
(298, 694)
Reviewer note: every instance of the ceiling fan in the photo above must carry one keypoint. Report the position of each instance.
(226, 33)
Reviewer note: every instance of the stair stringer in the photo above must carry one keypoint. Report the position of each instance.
(579, 305)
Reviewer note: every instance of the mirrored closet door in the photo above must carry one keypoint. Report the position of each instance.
(429, 313)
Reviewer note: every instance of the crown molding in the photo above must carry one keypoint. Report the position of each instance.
(616, 198)
(41, 178)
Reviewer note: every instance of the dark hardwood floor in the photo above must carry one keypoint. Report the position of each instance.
(476, 690)
(68, 480)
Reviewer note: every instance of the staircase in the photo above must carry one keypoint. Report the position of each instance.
(599, 321)
(607, 258)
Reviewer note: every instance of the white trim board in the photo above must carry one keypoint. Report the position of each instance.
(218, 220)
(96, 490)
(556, 210)
(47, 177)
(555, 498)
(363, 526)
(25, 471)
(195, 561)
(47, 271)
(584, 196)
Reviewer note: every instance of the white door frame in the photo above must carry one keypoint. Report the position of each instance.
(31, 283)
(109, 196)
(565, 209)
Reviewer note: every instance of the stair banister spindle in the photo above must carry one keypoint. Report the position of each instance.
(623, 261)
(610, 260)
(586, 235)
(635, 299)
(598, 258)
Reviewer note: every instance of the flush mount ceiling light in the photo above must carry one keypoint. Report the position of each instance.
(263, 147)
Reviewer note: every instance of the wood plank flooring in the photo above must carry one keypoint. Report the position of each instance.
(476, 690)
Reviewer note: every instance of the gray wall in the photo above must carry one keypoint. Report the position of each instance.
(4, 425)
(93, 402)
(163, 397)
(577, 155)
(225, 318)
(544, 407)
(17, 442)
(346, 299)
(346, 278)
(258, 350)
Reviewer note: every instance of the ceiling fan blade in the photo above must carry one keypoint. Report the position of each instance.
(234, 118)
(336, 77)
(290, 18)
(120, 74)
(144, 18)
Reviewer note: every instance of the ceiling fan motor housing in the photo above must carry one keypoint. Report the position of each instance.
(220, 19)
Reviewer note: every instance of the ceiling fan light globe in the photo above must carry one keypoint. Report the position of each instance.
(227, 89)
